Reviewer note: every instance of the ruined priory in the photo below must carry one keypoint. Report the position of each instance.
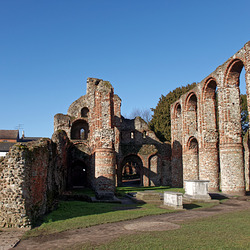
(94, 146)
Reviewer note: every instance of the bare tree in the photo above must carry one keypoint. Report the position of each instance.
(145, 114)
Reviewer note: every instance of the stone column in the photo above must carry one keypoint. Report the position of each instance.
(190, 165)
(232, 171)
(231, 150)
(105, 173)
(209, 156)
(209, 169)
(176, 142)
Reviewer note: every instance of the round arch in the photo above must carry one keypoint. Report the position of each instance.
(193, 152)
(191, 102)
(84, 112)
(210, 114)
(209, 89)
(79, 130)
(177, 110)
(79, 165)
(232, 74)
(192, 144)
(155, 176)
(191, 105)
(131, 171)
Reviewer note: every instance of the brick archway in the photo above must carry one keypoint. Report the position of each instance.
(212, 115)
(79, 130)
(131, 171)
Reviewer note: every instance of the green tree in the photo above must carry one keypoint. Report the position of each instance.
(161, 119)
(244, 114)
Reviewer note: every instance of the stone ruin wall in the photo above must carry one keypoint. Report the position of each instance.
(201, 149)
(31, 176)
(155, 155)
(109, 134)
(102, 125)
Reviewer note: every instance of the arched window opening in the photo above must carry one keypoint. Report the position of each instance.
(237, 98)
(132, 135)
(144, 135)
(210, 90)
(191, 107)
(234, 70)
(193, 147)
(242, 81)
(82, 134)
(210, 108)
(84, 112)
(178, 110)
(192, 103)
(79, 130)
(243, 102)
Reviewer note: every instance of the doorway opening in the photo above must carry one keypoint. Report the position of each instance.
(132, 171)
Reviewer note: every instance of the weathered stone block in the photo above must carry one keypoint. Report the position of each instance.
(173, 199)
(196, 190)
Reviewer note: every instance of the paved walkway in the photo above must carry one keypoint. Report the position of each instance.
(9, 238)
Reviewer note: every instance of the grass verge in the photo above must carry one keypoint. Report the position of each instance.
(79, 214)
(227, 231)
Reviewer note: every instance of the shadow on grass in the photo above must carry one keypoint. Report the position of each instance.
(73, 209)
(191, 206)
(218, 196)
(121, 191)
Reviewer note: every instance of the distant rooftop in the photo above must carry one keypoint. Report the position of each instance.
(9, 134)
(13, 135)
(5, 146)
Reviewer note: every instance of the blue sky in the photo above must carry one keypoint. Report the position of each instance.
(48, 49)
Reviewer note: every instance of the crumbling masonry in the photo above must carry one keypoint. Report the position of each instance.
(206, 130)
(92, 146)
(105, 143)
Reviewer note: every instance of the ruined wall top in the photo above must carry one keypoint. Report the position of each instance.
(221, 76)
(95, 84)
(92, 117)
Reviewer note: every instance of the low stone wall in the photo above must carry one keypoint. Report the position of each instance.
(31, 176)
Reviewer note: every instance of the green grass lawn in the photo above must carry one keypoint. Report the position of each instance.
(228, 231)
(79, 214)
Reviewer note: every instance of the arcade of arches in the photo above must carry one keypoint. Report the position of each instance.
(94, 146)
(207, 141)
